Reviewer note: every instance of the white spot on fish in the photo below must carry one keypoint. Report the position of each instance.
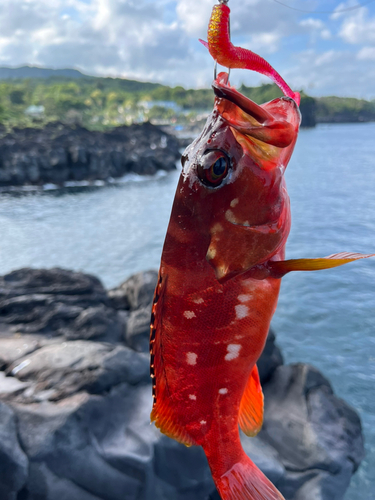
(224, 390)
(189, 314)
(234, 202)
(198, 301)
(211, 253)
(191, 358)
(217, 228)
(229, 215)
(193, 397)
(233, 351)
(244, 298)
(241, 311)
(202, 422)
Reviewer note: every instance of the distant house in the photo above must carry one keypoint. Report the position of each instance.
(147, 105)
(34, 111)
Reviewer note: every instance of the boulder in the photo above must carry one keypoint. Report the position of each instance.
(13, 461)
(136, 295)
(318, 436)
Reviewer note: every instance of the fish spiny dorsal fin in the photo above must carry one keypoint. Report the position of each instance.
(251, 408)
(280, 268)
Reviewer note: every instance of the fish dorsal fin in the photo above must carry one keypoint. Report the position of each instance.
(251, 408)
(280, 268)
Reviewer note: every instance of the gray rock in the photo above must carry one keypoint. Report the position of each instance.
(102, 447)
(318, 436)
(59, 370)
(59, 153)
(137, 291)
(13, 461)
(54, 281)
(138, 329)
(270, 358)
(58, 302)
(15, 348)
(101, 323)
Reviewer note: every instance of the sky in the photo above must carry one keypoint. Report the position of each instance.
(323, 53)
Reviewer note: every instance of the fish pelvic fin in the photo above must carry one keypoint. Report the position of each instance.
(251, 408)
(278, 269)
(244, 481)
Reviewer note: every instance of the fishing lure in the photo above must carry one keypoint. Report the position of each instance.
(219, 281)
(226, 54)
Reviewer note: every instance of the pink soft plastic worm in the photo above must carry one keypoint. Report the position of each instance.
(226, 54)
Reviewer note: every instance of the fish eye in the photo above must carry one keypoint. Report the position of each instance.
(213, 168)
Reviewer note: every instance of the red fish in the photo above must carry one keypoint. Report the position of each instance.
(219, 281)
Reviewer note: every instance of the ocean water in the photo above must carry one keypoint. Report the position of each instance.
(325, 318)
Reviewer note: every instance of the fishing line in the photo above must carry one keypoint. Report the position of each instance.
(326, 11)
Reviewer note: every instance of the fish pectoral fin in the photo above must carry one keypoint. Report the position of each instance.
(251, 408)
(279, 268)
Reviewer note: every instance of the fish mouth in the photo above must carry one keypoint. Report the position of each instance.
(223, 91)
(268, 123)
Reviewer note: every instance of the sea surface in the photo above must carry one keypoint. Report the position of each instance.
(326, 318)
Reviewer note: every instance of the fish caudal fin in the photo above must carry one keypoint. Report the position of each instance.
(244, 481)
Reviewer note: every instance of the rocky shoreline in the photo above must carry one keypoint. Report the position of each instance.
(75, 399)
(58, 154)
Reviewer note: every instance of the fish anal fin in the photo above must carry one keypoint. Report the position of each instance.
(279, 268)
(251, 407)
(162, 415)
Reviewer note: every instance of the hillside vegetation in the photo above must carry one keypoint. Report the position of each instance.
(99, 103)
(338, 110)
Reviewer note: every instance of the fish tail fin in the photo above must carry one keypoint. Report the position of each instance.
(244, 481)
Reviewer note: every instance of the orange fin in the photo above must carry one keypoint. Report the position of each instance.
(251, 407)
(244, 481)
(162, 415)
(280, 268)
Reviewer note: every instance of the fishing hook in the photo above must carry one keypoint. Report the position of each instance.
(215, 72)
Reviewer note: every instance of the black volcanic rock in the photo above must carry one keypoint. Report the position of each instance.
(75, 400)
(58, 154)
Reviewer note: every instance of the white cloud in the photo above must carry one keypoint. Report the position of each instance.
(149, 40)
(366, 53)
(316, 27)
(334, 73)
(358, 27)
(193, 16)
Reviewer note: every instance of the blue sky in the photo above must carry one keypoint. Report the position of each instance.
(322, 53)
